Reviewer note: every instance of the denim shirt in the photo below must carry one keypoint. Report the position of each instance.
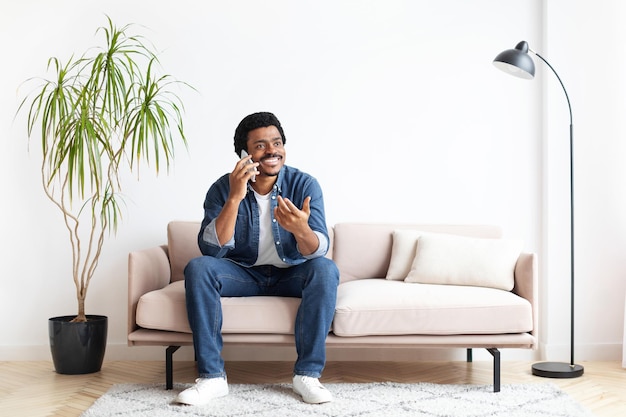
(243, 248)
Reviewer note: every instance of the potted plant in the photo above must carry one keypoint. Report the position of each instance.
(101, 116)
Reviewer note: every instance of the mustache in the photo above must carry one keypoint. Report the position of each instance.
(274, 155)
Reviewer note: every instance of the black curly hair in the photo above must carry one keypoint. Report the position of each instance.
(251, 122)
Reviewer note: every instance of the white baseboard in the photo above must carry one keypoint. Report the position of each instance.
(582, 353)
(25, 353)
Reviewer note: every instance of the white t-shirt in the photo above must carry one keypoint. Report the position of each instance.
(267, 249)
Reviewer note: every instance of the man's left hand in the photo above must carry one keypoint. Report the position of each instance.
(290, 217)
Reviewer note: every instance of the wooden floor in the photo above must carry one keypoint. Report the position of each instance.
(33, 388)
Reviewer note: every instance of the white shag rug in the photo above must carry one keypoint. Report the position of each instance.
(350, 399)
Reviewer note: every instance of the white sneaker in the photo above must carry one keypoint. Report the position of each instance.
(311, 390)
(204, 391)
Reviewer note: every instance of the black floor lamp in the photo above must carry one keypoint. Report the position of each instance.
(517, 62)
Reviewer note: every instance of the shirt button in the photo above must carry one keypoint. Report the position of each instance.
(278, 242)
(273, 220)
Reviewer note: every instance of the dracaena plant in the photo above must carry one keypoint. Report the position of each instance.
(104, 113)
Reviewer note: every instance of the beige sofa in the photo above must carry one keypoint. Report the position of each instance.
(469, 289)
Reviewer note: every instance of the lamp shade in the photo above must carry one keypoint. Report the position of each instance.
(516, 61)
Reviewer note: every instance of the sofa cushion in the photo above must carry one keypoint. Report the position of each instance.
(461, 260)
(404, 244)
(384, 307)
(363, 250)
(165, 309)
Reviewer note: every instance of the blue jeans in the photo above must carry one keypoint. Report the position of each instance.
(314, 281)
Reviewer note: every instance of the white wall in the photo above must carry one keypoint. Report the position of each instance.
(394, 106)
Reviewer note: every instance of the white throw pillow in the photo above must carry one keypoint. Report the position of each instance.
(402, 253)
(459, 260)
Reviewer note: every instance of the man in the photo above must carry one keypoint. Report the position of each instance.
(264, 233)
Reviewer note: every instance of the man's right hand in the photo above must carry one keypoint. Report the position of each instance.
(244, 170)
(238, 179)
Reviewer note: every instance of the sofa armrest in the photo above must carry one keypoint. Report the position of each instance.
(526, 282)
(148, 270)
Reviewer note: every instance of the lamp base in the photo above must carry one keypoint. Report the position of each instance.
(557, 370)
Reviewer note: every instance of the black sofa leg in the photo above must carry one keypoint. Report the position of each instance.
(470, 356)
(169, 365)
(496, 368)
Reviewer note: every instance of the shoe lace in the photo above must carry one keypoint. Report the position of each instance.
(205, 381)
(312, 382)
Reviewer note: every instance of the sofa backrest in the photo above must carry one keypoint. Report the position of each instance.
(363, 250)
(182, 243)
(360, 250)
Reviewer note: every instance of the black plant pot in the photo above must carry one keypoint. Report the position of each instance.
(77, 348)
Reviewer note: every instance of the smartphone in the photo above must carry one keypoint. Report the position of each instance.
(243, 155)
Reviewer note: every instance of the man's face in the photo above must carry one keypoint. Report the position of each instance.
(266, 147)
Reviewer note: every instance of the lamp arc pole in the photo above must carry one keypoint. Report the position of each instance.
(517, 62)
